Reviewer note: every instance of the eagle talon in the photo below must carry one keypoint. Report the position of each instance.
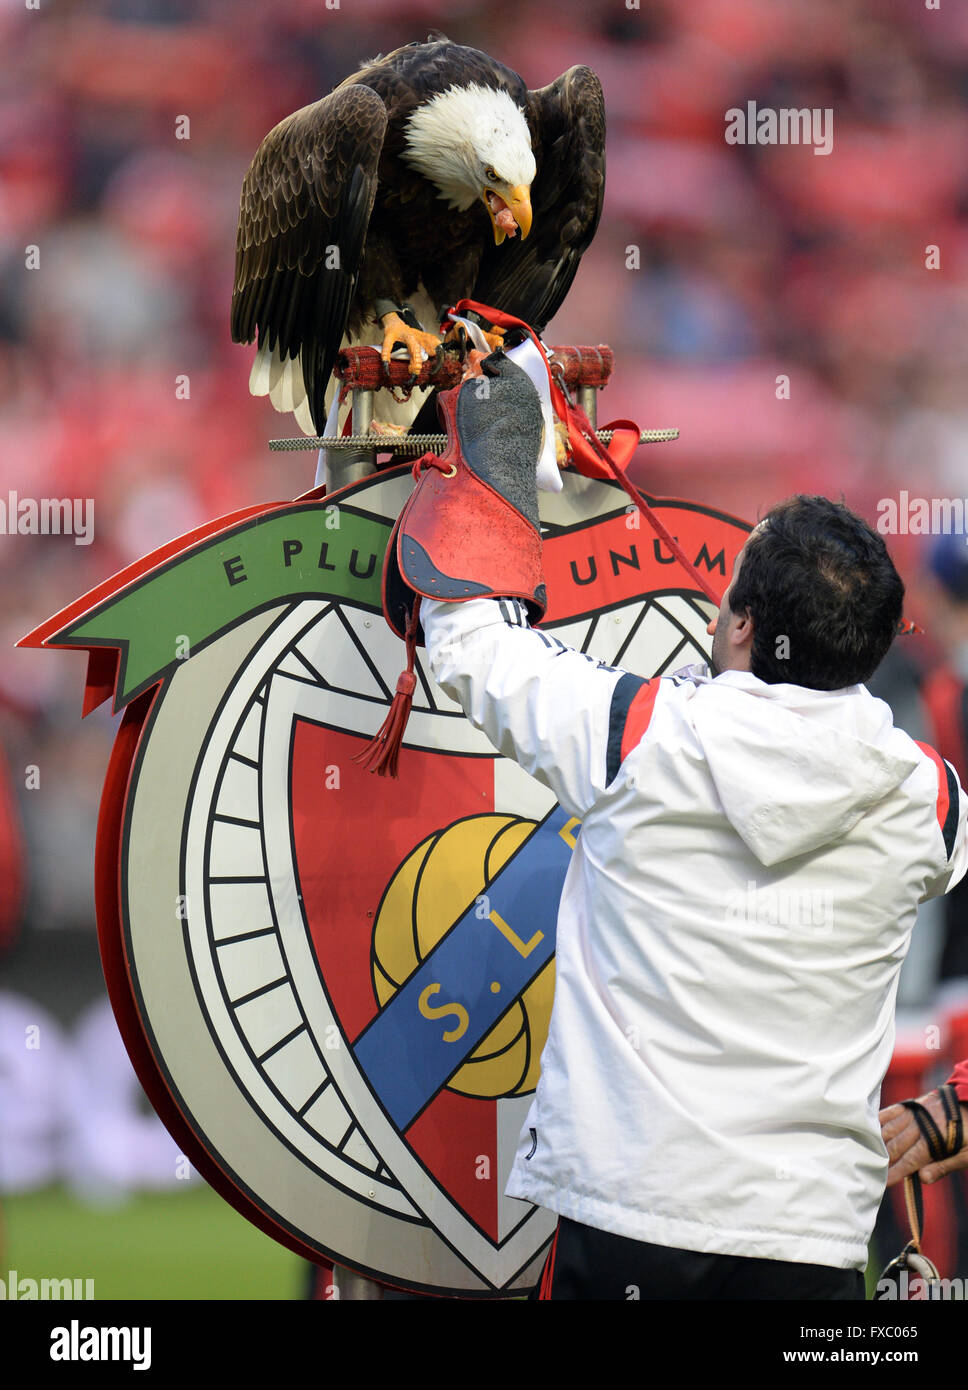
(457, 337)
(419, 344)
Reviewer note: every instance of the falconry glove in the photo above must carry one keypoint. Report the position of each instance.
(470, 529)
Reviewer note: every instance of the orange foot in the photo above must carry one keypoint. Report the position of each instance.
(420, 345)
(457, 333)
(386, 427)
(472, 363)
(562, 444)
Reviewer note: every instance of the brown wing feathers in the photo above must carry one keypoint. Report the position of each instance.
(305, 205)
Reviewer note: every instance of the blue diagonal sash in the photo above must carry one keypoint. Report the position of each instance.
(459, 991)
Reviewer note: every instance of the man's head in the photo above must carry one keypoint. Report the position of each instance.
(815, 599)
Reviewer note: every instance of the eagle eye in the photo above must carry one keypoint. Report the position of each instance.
(491, 173)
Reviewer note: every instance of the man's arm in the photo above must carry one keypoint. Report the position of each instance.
(566, 718)
(468, 544)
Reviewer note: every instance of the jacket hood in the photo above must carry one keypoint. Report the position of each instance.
(795, 769)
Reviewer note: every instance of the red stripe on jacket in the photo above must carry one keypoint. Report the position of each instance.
(943, 799)
(638, 717)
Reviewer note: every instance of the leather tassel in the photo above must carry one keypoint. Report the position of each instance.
(382, 753)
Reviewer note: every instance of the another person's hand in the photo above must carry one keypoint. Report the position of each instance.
(907, 1149)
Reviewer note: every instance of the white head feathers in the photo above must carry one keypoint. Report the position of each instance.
(453, 138)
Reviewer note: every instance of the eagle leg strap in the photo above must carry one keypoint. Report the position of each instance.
(588, 455)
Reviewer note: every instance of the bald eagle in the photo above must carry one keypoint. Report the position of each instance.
(430, 175)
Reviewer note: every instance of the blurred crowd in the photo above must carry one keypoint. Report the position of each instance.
(719, 270)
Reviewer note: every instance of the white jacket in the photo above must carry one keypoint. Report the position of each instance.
(730, 934)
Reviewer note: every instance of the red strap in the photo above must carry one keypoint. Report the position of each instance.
(589, 455)
(587, 462)
(548, 1277)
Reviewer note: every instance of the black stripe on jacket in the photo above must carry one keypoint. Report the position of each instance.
(626, 689)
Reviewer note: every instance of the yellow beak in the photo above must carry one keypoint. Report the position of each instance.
(519, 205)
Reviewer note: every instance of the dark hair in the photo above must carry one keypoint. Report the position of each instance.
(820, 577)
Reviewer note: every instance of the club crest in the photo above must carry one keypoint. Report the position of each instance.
(335, 987)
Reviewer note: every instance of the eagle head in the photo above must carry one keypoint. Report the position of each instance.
(472, 143)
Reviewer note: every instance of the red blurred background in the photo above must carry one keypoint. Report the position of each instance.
(753, 262)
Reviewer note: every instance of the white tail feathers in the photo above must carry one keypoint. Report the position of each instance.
(280, 382)
(303, 418)
(259, 375)
(281, 379)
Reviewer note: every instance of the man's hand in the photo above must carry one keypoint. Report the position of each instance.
(907, 1149)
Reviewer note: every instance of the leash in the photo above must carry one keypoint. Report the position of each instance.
(941, 1145)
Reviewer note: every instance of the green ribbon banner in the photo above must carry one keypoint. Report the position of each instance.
(317, 550)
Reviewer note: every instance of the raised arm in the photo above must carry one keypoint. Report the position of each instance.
(464, 564)
(562, 715)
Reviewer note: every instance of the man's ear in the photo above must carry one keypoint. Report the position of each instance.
(742, 634)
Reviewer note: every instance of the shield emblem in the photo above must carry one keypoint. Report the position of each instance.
(334, 987)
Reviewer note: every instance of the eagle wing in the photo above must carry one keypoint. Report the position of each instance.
(531, 278)
(303, 215)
